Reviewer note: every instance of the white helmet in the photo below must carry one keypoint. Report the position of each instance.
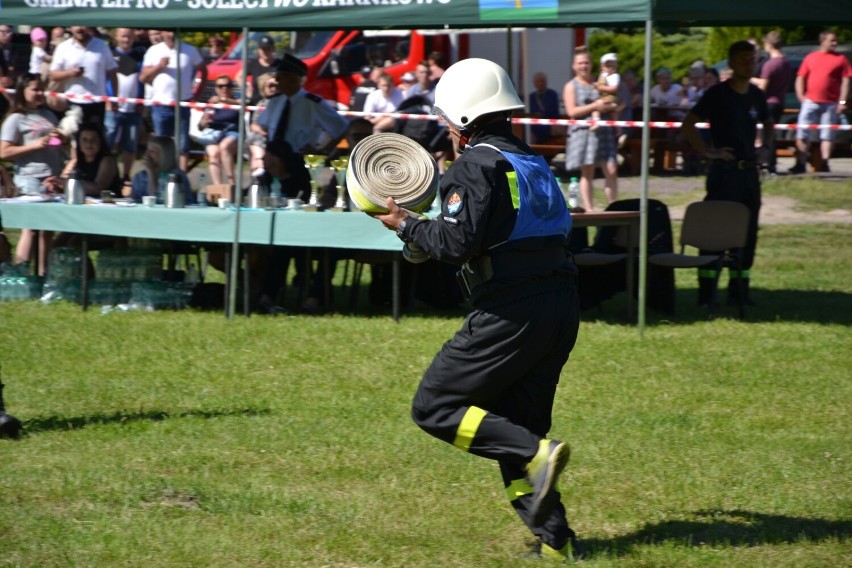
(472, 88)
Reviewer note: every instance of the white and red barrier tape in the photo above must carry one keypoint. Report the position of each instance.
(531, 121)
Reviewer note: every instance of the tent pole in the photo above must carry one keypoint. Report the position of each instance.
(178, 97)
(510, 48)
(643, 201)
(238, 184)
(525, 76)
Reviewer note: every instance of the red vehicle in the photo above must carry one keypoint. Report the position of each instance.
(335, 58)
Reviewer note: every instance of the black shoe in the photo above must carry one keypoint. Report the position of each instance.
(823, 168)
(799, 168)
(710, 309)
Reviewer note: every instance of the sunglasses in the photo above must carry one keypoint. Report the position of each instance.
(223, 85)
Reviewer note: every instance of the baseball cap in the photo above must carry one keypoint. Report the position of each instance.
(408, 77)
(266, 42)
(38, 34)
(291, 64)
(608, 57)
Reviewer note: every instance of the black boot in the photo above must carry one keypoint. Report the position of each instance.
(736, 286)
(707, 281)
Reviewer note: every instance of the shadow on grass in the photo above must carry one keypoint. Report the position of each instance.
(725, 528)
(62, 423)
(772, 306)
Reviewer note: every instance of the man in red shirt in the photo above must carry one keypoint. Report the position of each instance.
(822, 86)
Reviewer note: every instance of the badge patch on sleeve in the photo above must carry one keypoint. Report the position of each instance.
(454, 203)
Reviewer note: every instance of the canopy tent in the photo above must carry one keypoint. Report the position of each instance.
(446, 14)
(405, 14)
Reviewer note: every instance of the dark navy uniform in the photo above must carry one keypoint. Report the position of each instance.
(733, 121)
(295, 125)
(490, 389)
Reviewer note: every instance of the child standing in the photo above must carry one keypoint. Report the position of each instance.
(607, 84)
(39, 58)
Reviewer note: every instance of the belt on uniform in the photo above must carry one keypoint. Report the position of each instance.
(475, 272)
(481, 269)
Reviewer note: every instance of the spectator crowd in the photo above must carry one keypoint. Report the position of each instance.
(128, 149)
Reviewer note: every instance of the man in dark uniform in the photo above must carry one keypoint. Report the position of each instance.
(490, 390)
(295, 122)
(733, 108)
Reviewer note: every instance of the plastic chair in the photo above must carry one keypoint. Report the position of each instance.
(594, 258)
(710, 226)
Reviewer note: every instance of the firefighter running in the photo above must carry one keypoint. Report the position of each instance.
(503, 220)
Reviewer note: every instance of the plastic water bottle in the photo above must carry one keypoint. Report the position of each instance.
(573, 192)
(191, 276)
(162, 181)
(275, 198)
(201, 195)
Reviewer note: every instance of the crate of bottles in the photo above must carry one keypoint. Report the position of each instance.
(19, 287)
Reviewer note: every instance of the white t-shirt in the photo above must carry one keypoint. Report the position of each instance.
(612, 79)
(672, 97)
(96, 60)
(36, 59)
(164, 85)
(376, 101)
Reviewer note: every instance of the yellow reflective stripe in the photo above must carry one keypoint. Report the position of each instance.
(513, 189)
(552, 554)
(468, 427)
(518, 488)
(707, 273)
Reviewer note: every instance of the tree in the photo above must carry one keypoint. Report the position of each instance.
(677, 51)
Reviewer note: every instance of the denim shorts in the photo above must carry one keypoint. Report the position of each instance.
(163, 118)
(816, 113)
(28, 185)
(124, 123)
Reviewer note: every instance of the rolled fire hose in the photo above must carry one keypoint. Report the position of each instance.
(391, 165)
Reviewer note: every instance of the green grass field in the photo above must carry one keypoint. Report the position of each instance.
(186, 439)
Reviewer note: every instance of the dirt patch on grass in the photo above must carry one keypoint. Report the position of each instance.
(775, 210)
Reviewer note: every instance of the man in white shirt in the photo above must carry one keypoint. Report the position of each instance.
(384, 99)
(159, 69)
(83, 64)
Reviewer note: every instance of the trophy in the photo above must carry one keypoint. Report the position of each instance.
(340, 165)
(314, 163)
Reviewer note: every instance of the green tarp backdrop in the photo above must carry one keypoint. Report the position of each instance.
(386, 14)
